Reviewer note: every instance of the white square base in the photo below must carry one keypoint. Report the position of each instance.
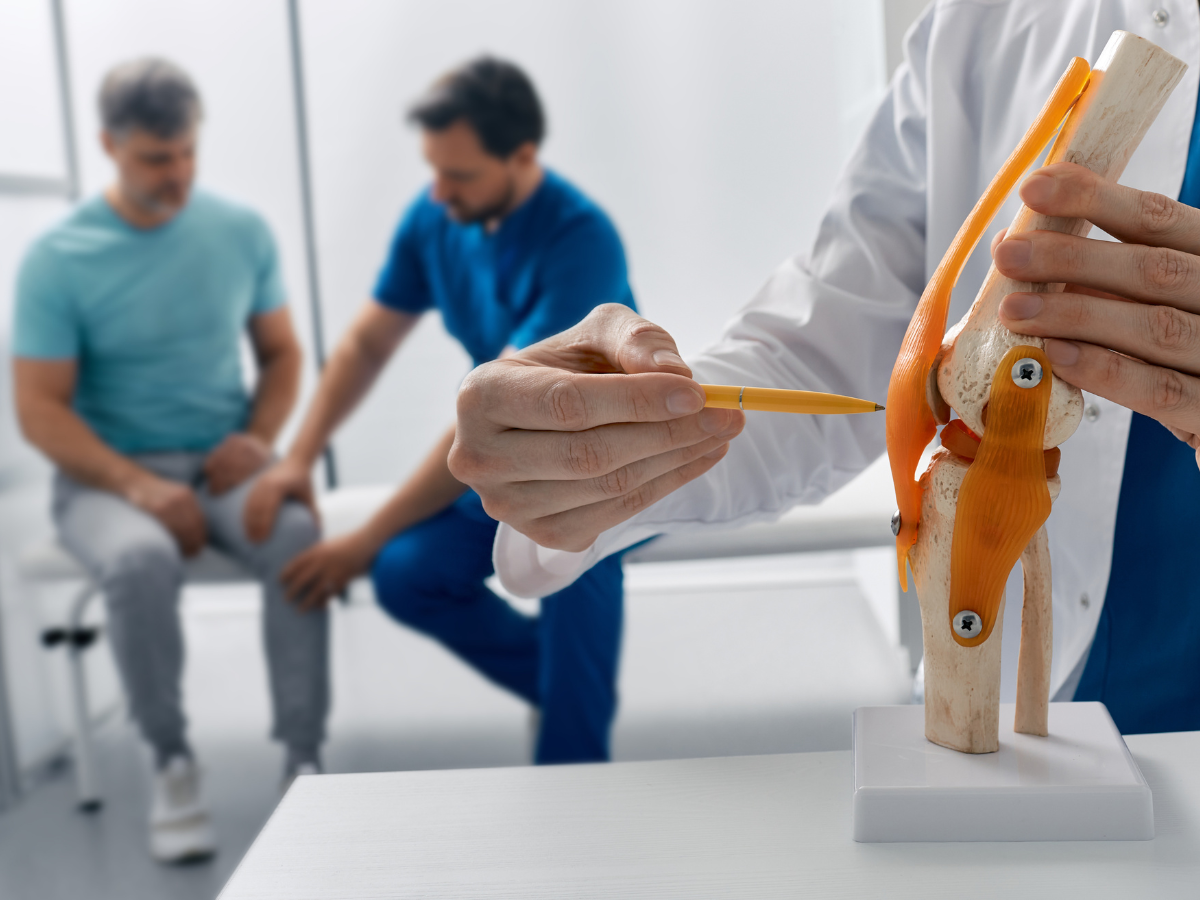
(1078, 784)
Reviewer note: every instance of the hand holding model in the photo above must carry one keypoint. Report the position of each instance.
(1127, 327)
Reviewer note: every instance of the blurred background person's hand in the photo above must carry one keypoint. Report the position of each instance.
(287, 479)
(320, 573)
(176, 506)
(234, 460)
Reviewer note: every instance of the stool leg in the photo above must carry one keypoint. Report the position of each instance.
(85, 763)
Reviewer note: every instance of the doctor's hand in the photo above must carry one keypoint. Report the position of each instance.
(1127, 327)
(288, 478)
(567, 438)
(327, 568)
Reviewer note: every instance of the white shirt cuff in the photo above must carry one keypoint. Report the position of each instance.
(529, 570)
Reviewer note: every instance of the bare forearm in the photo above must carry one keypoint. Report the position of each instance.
(345, 381)
(278, 385)
(430, 490)
(70, 443)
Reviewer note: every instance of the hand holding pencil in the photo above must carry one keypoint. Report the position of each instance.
(575, 434)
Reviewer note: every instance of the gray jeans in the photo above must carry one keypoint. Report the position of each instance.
(138, 565)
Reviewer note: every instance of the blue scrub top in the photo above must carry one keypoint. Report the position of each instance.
(1145, 659)
(551, 261)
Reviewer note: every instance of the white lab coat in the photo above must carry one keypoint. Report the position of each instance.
(832, 319)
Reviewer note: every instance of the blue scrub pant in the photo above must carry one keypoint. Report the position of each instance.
(563, 661)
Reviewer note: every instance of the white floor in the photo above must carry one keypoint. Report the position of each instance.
(721, 657)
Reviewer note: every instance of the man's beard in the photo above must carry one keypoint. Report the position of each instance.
(488, 213)
(160, 202)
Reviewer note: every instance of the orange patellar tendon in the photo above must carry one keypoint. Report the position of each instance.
(1004, 498)
(910, 420)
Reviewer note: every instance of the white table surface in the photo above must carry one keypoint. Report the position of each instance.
(754, 826)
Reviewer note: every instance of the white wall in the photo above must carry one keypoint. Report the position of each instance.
(30, 139)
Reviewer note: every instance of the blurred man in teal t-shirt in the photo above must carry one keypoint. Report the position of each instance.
(129, 320)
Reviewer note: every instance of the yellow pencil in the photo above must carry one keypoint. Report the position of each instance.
(728, 396)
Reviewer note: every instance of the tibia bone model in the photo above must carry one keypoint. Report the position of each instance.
(962, 684)
(983, 502)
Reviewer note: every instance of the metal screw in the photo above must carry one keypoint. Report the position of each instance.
(1161, 17)
(1091, 412)
(896, 523)
(967, 624)
(1027, 373)
(1084, 601)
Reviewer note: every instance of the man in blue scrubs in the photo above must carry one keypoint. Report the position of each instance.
(509, 253)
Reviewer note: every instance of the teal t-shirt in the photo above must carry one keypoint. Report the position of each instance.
(154, 318)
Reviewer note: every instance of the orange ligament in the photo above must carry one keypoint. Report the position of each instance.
(910, 422)
(1004, 498)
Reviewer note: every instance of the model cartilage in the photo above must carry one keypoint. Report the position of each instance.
(983, 500)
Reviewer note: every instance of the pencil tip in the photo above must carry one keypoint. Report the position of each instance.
(879, 407)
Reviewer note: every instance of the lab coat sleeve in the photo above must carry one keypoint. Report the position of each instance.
(831, 319)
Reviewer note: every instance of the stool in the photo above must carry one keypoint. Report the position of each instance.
(49, 563)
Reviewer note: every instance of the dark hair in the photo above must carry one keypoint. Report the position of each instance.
(496, 99)
(150, 94)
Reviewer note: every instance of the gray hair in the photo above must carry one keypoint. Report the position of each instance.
(149, 94)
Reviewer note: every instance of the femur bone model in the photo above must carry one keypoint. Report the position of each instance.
(982, 503)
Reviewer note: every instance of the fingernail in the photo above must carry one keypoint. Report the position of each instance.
(1062, 353)
(1021, 306)
(718, 453)
(1037, 189)
(1014, 253)
(668, 358)
(684, 401)
(714, 420)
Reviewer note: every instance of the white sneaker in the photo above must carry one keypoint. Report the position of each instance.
(307, 768)
(179, 827)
